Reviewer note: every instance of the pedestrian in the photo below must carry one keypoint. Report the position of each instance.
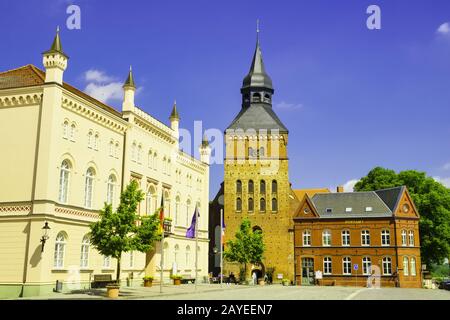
(254, 278)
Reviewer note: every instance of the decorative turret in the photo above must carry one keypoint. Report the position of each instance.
(129, 89)
(55, 61)
(257, 85)
(175, 121)
(205, 150)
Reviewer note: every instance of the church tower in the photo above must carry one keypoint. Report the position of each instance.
(256, 180)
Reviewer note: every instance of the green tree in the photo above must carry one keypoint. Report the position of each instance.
(248, 246)
(432, 200)
(124, 230)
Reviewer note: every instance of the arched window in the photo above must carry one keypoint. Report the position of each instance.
(176, 253)
(106, 262)
(84, 259)
(188, 257)
(66, 129)
(90, 140)
(64, 181)
(267, 98)
(238, 204)
(111, 148)
(117, 150)
(274, 205)
(327, 266)
(133, 151)
(262, 187)
(251, 187)
(155, 161)
(262, 205)
(251, 152)
(250, 204)
(347, 266)
(345, 235)
(404, 240)
(60, 246)
(306, 238)
(405, 266)
(411, 238)
(150, 159)
(256, 97)
(151, 200)
(166, 203)
(367, 266)
(387, 266)
(326, 238)
(131, 261)
(177, 209)
(274, 186)
(239, 186)
(413, 266)
(72, 132)
(89, 187)
(139, 154)
(110, 189)
(96, 141)
(189, 211)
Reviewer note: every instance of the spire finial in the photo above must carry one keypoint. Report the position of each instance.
(130, 68)
(57, 29)
(257, 30)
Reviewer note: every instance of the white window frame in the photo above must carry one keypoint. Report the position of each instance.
(64, 178)
(89, 188)
(110, 189)
(412, 265)
(347, 266)
(90, 139)
(73, 128)
(327, 266)
(365, 238)
(306, 238)
(106, 262)
(387, 266)
(326, 238)
(385, 238)
(411, 238)
(345, 237)
(405, 266)
(84, 259)
(404, 238)
(59, 253)
(367, 266)
(66, 130)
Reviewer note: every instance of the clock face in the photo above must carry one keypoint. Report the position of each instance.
(306, 210)
(405, 208)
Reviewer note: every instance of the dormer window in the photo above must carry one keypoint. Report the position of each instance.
(256, 97)
(348, 209)
(369, 209)
(329, 210)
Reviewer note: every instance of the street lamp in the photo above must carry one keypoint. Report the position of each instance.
(45, 236)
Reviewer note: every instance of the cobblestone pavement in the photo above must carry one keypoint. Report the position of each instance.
(273, 292)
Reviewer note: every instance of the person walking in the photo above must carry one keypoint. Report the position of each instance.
(254, 278)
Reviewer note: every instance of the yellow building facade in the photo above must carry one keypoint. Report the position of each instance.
(64, 154)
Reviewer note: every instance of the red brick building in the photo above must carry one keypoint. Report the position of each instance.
(350, 235)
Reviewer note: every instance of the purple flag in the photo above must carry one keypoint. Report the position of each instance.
(190, 233)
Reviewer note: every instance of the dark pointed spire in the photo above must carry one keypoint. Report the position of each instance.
(174, 114)
(56, 45)
(257, 76)
(130, 81)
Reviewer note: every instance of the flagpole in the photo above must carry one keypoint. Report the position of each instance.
(196, 246)
(162, 249)
(221, 247)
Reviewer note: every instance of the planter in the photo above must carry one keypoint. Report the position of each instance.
(176, 282)
(286, 283)
(148, 283)
(112, 291)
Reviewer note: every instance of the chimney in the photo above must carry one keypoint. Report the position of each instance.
(340, 189)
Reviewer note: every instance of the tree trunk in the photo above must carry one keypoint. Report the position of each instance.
(118, 270)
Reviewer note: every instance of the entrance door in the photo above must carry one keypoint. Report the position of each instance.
(307, 271)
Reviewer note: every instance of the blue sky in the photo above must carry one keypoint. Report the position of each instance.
(352, 98)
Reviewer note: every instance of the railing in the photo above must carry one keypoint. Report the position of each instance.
(167, 227)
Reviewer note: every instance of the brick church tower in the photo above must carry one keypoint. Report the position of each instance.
(256, 180)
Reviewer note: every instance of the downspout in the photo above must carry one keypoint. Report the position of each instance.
(396, 249)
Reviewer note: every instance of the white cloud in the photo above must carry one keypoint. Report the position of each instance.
(444, 29)
(97, 76)
(444, 181)
(105, 92)
(288, 106)
(349, 185)
(446, 166)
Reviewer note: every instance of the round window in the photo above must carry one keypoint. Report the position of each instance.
(306, 210)
(405, 208)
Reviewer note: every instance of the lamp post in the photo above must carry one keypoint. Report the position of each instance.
(45, 236)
